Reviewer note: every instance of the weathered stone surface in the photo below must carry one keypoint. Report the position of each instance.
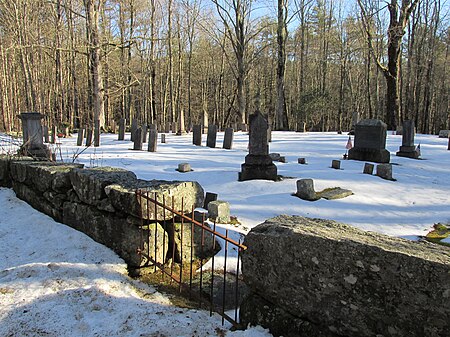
(184, 167)
(137, 139)
(305, 190)
(219, 211)
(123, 197)
(208, 198)
(123, 235)
(122, 123)
(97, 133)
(384, 171)
(335, 193)
(255, 310)
(347, 281)
(301, 161)
(228, 138)
(336, 164)
(152, 139)
(275, 156)
(134, 127)
(368, 168)
(370, 142)
(212, 136)
(88, 137)
(408, 149)
(444, 134)
(89, 184)
(197, 135)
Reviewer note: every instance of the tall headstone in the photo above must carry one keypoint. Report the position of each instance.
(144, 133)
(80, 137)
(197, 135)
(97, 133)
(258, 164)
(88, 137)
(408, 148)
(212, 136)
(33, 142)
(54, 134)
(370, 142)
(122, 124)
(163, 138)
(152, 138)
(46, 135)
(134, 127)
(167, 128)
(228, 138)
(138, 139)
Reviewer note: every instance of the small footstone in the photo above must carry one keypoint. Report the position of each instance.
(368, 168)
(302, 161)
(384, 171)
(209, 197)
(275, 156)
(335, 193)
(305, 190)
(184, 167)
(219, 211)
(282, 159)
(336, 164)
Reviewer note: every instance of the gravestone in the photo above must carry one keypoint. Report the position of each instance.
(228, 138)
(33, 143)
(152, 138)
(88, 137)
(444, 133)
(144, 133)
(184, 167)
(212, 136)
(54, 134)
(134, 127)
(97, 133)
(138, 139)
(197, 135)
(370, 142)
(80, 137)
(384, 171)
(163, 138)
(336, 164)
(305, 190)
(219, 211)
(258, 164)
(408, 149)
(122, 123)
(448, 146)
(46, 135)
(301, 161)
(244, 127)
(208, 198)
(368, 168)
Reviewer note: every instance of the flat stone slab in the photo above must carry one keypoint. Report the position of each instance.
(334, 193)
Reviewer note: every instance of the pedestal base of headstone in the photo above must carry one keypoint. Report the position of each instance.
(408, 151)
(377, 156)
(258, 167)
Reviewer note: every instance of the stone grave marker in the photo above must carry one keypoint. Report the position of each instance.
(228, 138)
(212, 136)
(46, 135)
(88, 137)
(97, 133)
(258, 164)
(305, 190)
(370, 142)
(184, 167)
(197, 135)
(408, 149)
(368, 168)
(33, 141)
(208, 198)
(152, 138)
(122, 124)
(134, 127)
(384, 171)
(301, 161)
(80, 137)
(138, 139)
(163, 138)
(144, 133)
(336, 164)
(219, 211)
(444, 133)
(167, 127)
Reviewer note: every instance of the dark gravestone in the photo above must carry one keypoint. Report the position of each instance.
(212, 136)
(408, 149)
(138, 139)
(33, 142)
(163, 138)
(97, 133)
(197, 135)
(258, 164)
(370, 142)
(152, 139)
(134, 127)
(122, 123)
(368, 168)
(88, 137)
(336, 164)
(46, 135)
(144, 133)
(208, 198)
(54, 134)
(80, 137)
(228, 138)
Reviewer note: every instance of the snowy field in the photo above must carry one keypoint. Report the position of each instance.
(55, 281)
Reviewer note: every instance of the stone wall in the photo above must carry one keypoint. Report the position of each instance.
(101, 202)
(313, 277)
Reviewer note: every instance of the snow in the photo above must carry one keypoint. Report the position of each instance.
(55, 281)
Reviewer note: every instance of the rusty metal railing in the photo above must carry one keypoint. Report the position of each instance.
(204, 261)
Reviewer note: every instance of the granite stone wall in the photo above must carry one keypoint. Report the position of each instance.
(314, 277)
(101, 202)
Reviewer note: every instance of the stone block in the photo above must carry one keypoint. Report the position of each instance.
(336, 164)
(197, 135)
(335, 193)
(89, 184)
(444, 134)
(347, 281)
(301, 161)
(208, 198)
(163, 138)
(184, 167)
(384, 171)
(186, 195)
(137, 139)
(305, 190)
(368, 168)
(219, 211)
(212, 136)
(228, 138)
(152, 139)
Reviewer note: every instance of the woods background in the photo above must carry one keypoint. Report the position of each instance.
(308, 64)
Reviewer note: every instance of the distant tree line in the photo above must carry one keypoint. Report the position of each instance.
(307, 64)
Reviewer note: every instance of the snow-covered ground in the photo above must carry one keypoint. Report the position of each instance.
(55, 281)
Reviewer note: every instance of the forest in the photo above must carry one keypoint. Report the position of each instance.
(307, 64)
